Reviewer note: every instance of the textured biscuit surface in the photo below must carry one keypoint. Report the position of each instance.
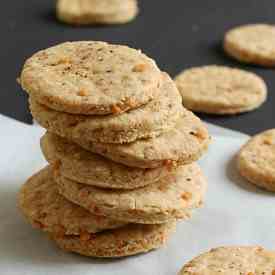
(220, 90)
(86, 167)
(46, 209)
(150, 120)
(171, 198)
(85, 12)
(128, 240)
(253, 43)
(182, 145)
(88, 77)
(232, 260)
(256, 160)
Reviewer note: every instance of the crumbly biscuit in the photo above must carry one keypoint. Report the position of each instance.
(125, 241)
(88, 77)
(254, 43)
(89, 12)
(151, 120)
(252, 260)
(256, 160)
(170, 198)
(182, 145)
(86, 167)
(46, 209)
(220, 90)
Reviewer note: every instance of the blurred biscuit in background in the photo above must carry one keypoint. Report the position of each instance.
(89, 12)
(254, 43)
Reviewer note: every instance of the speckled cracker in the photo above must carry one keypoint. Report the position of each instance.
(256, 160)
(171, 198)
(182, 145)
(252, 260)
(89, 12)
(89, 77)
(46, 209)
(86, 167)
(220, 90)
(253, 43)
(125, 241)
(150, 120)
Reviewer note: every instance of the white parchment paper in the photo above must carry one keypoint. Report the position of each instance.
(234, 213)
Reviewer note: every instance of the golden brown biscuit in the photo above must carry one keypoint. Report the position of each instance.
(252, 260)
(158, 116)
(168, 199)
(182, 145)
(125, 241)
(220, 90)
(88, 77)
(86, 167)
(89, 12)
(253, 43)
(46, 209)
(256, 160)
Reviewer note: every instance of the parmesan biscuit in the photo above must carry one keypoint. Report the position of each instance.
(256, 160)
(182, 145)
(150, 120)
(252, 260)
(220, 90)
(125, 241)
(89, 77)
(89, 12)
(86, 167)
(171, 198)
(46, 209)
(253, 43)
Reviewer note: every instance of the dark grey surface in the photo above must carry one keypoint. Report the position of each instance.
(178, 34)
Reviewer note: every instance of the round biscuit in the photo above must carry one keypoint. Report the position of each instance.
(89, 77)
(254, 43)
(184, 144)
(148, 121)
(232, 260)
(170, 198)
(86, 167)
(128, 240)
(47, 210)
(256, 160)
(221, 90)
(90, 12)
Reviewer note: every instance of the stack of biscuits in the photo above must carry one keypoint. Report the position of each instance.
(121, 150)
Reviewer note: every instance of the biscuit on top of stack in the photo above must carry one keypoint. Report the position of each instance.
(121, 149)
